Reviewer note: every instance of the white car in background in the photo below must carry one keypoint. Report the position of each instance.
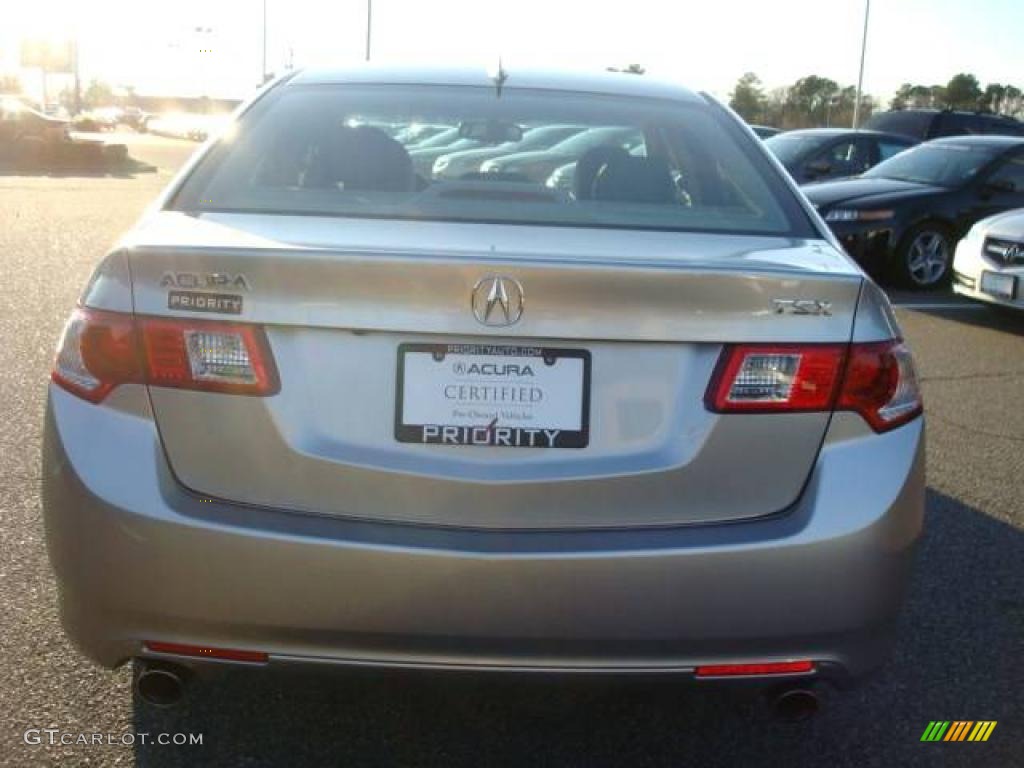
(989, 262)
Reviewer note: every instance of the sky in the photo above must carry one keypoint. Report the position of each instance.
(214, 47)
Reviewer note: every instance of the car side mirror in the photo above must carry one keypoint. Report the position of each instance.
(818, 168)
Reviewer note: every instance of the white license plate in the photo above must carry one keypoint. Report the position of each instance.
(998, 284)
(489, 395)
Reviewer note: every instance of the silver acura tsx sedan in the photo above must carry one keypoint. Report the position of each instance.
(316, 408)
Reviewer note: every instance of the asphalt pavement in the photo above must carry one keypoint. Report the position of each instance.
(959, 655)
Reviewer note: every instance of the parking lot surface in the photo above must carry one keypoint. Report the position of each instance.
(958, 657)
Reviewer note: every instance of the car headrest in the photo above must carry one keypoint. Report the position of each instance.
(589, 165)
(635, 180)
(363, 158)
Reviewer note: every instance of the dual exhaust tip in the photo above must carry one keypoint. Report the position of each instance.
(163, 684)
(794, 705)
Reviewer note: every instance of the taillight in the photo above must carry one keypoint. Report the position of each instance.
(776, 377)
(875, 380)
(881, 385)
(97, 351)
(217, 357)
(100, 350)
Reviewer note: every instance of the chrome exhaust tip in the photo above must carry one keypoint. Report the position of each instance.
(160, 684)
(796, 705)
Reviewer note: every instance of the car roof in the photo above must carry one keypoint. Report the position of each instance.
(988, 140)
(836, 132)
(934, 112)
(613, 83)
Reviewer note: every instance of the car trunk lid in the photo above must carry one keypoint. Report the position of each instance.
(341, 299)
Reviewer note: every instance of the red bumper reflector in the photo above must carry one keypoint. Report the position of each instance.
(228, 654)
(771, 668)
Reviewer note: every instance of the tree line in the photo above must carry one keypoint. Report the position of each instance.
(813, 101)
(963, 91)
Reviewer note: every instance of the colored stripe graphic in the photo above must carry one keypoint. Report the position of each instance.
(983, 730)
(935, 730)
(958, 730)
(962, 731)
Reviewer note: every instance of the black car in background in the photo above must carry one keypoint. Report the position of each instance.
(924, 124)
(903, 218)
(817, 154)
(765, 131)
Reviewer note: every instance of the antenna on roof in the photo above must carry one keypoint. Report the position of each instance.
(499, 76)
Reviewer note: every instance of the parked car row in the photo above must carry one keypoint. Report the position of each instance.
(31, 141)
(900, 206)
(182, 125)
(542, 138)
(543, 153)
(19, 121)
(903, 218)
(97, 120)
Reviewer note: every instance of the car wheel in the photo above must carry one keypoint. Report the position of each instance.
(925, 258)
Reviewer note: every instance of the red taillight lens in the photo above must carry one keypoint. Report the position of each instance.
(776, 377)
(875, 380)
(97, 351)
(881, 385)
(100, 350)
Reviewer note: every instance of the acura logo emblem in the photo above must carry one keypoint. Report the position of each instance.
(498, 301)
(1014, 253)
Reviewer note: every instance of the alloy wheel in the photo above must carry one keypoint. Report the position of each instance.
(928, 258)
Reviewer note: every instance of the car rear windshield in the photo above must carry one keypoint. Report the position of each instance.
(554, 158)
(946, 165)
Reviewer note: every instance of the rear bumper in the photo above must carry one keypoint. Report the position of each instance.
(963, 286)
(139, 558)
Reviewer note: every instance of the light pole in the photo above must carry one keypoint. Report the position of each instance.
(78, 79)
(860, 77)
(369, 20)
(263, 78)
